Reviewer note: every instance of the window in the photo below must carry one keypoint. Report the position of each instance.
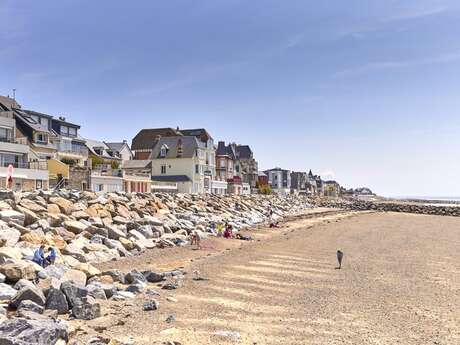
(64, 130)
(73, 131)
(163, 151)
(36, 118)
(6, 134)
(237, 168)
(197, 169)
(39, 184)
(163, 169)
(44, 121)
(41, 138)
(222, 163)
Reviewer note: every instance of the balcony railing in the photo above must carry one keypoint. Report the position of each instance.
(39, 165)
(113, 173)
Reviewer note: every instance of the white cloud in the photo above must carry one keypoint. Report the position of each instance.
(416, 14)
(388, 65)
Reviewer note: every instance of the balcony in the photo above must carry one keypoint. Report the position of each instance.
(39, 165)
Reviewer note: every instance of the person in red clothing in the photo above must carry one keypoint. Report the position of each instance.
(228, 233)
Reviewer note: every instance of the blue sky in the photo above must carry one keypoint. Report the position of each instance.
(365, 92)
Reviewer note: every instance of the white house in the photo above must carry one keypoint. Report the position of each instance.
(182, 161)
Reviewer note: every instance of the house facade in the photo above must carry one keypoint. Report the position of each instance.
(246, 165)
(137, 175)
(180, 161)
(29, 172)
(280, 180)
(299, 182)
(106, 175)
(121, 149)
(331, 189)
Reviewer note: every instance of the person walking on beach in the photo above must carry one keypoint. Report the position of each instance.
(339, 258)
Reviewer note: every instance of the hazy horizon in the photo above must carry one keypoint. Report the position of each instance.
(361, 92)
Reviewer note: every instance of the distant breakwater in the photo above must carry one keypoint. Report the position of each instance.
(385, 206)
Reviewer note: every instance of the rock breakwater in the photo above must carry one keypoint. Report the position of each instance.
(387, 206)
(87, 228)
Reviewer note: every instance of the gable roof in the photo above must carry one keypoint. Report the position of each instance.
(92, 145)
(189, 146)
(8, 104)
(200, 133)
(225, 150)
(243, 151)
(28, 121)
(117, 147)
(146, 137)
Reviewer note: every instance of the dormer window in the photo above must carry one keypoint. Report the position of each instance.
(163, 151)
(41, 138)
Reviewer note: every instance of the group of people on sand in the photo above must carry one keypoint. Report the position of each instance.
(45, 259)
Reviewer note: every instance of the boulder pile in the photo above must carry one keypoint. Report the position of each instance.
(87, 228)
(389, 206)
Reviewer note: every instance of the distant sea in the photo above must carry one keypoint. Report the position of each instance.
(429, 198)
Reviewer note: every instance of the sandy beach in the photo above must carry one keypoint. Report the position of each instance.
(400, 284)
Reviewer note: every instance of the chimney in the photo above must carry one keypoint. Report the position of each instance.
(124, 141)
(62, 118)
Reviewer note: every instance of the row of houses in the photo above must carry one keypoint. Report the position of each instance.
(42, 151)
(286, 182)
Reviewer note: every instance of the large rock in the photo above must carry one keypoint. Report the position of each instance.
(17, 270)
(74, 275)
(32, 205)
(30, 306)
(75, 226)
(86, 308)
(114, 233)
(64, 205)
(34, 237)
(117, 275)
(9, 253)
(134, 277)
(54, 209)
(96, 291)
(7, 292)
(56, 300)
(153, 277)
(54, 271)
(21, 331)
(30, 217)
(33, 294)
(12, 216)
(88, 269)
(9, 236)
(73, 292)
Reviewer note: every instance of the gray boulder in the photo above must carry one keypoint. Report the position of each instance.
(22, 283)
(73, 292)
(86, 308)
(135, 276)
(56, 300)
(7, 292)
(117, 275)
(21, 331)
(96, 291)
(33, 294)
(31, 306)
(151, 305)
(153, 277)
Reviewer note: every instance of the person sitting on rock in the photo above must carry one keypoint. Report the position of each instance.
(220, 230)
(39, 256)
(51, 258)
(228, 233)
